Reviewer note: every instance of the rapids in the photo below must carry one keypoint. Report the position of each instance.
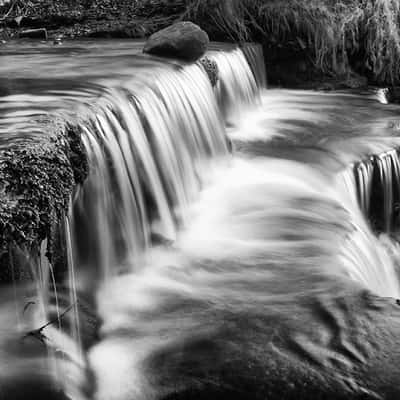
(236, 242)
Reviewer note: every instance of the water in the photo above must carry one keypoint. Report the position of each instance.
(267, 271)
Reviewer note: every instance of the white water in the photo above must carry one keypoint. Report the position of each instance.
(180, 241)
(257, 223)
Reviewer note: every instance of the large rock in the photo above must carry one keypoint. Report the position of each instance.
(392, 94)
(183, 40)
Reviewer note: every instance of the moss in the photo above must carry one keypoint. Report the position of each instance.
(211, 67)
(37, 179)
(77, 154)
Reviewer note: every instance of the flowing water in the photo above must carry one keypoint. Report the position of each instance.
(238, 242)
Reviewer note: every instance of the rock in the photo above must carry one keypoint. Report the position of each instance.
(355, 81)
(160, 240)
(211, 67)
(393, 94)
(17, 388)
(40, 33)
(183, 40)
(37, 180)
(58, 40)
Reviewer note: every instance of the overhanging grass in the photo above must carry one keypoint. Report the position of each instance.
(333, 32)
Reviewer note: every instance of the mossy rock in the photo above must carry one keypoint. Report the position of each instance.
(37, 180)
(211, 67)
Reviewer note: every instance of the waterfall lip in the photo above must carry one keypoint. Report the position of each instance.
(73, 103)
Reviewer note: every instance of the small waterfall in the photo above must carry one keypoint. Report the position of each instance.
(367, 259)
(377, 185)
(150, 144)
(255, 58)
(242, 75)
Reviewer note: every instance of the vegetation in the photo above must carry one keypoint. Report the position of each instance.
(335, 34)
(211, 67)
(363, 34)
(37, 181)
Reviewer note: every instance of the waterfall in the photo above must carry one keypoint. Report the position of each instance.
(187, 250)
(240, 81)
(153, 135)
(377, 183)
(368, 260)
(150, 144)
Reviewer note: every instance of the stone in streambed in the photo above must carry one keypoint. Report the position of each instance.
(182, 40)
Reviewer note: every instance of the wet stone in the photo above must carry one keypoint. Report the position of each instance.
(182, 40)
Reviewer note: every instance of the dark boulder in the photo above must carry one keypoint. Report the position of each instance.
(183, 40)
(393, 94)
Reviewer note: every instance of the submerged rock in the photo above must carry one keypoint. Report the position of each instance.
(160, 240)
(58, 40)
(183, 40)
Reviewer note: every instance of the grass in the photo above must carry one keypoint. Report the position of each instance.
(337, 34)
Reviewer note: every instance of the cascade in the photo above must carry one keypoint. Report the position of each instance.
(377, 181)
(195, 258)
(151, 141)
(149, 144)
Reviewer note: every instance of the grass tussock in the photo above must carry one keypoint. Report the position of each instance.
(335, 33)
